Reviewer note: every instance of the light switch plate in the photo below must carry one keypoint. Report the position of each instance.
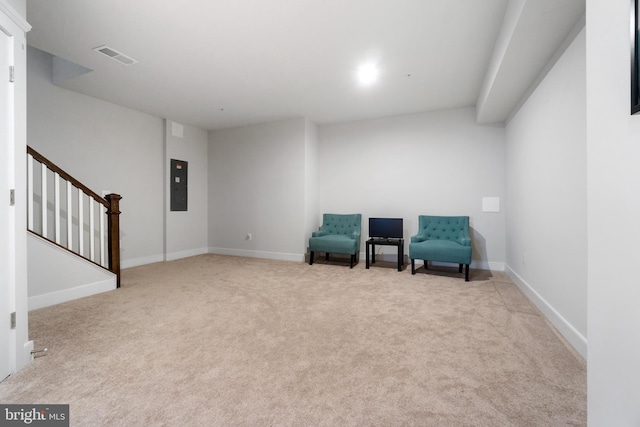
(491, 204)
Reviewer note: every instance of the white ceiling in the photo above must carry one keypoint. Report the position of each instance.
(223, 63)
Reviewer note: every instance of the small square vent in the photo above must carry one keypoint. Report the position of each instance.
(115, 55)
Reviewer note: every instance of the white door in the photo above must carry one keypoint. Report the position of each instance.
(7, 221)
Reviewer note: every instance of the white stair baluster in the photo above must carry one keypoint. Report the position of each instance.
(43, 198)
(56, 213)
(92, 228)
(103, 258)
(80, 222)
(30, 191)
(69, 217)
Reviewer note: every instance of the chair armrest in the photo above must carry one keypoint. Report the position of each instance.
(319, 233)
(418, 238)
(464, 241)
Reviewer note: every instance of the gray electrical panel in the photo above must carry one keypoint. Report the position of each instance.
(178, 185)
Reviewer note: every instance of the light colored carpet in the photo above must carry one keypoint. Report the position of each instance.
(226, 341)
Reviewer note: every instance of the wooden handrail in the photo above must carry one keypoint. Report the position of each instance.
(42, 159)
(112, 204)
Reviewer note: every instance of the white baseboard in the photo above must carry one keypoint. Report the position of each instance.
(281, 256)
(481, 265)
(487, 265)
(571, 334)
(65, 295)
(186, 254)
(258, 254)
(135, 262)
(478, 265)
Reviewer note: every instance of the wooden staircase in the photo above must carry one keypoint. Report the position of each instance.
(68, 214)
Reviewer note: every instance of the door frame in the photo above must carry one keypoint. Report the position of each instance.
(7, 217)
(14, 25)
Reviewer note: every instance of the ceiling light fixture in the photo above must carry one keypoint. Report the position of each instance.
(368, 73)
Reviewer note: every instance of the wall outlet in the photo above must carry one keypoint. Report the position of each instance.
(249, 236)
(524, 257)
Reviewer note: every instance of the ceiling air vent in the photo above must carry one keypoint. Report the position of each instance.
(115, 55)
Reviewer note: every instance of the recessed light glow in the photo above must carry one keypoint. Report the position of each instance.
(368, 73)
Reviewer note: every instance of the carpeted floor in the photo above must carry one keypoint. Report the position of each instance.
(228, 341)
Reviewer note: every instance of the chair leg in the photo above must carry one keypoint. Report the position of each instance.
(426, 264)
(310, 257)
(326, 256)
(413, 266)
(459, 268)
(353, 259)
(466, 272)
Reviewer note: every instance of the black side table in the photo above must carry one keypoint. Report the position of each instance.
(399, 243)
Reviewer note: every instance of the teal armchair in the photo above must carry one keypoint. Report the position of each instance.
(442, 239)
(339, 234)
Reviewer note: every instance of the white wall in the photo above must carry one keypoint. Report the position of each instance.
(187, 231)
(613, 176)
(439, 163)
(257, 185)
(312, 171)
(106, 147)
(56, 275)
(547, 196)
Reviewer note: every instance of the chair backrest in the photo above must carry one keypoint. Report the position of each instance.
(443, 227)
(341, 224)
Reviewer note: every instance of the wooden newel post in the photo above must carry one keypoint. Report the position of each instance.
(113, 212)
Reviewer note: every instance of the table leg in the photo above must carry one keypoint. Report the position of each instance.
(367, 254)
